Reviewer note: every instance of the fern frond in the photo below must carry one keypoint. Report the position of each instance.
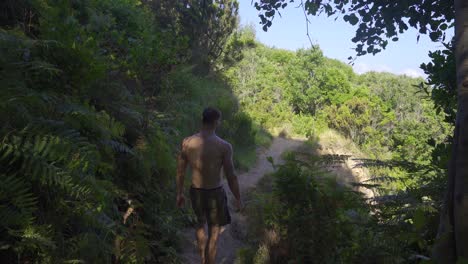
(39, 67)
(117, 146)
(84, 117)
(408, 166)
(87, 246)
(135, 246)
(39, 158)
(17, 202)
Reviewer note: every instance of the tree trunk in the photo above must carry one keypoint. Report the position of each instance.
(452, 241)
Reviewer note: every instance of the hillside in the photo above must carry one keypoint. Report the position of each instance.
(98, 94)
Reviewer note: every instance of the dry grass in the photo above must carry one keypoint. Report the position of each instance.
(331, 141)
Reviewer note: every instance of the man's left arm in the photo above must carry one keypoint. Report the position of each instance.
(231, 176)
(181, 169)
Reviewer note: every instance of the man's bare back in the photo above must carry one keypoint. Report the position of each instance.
(206, 154)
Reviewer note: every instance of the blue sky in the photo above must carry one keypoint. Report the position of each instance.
(334, 38)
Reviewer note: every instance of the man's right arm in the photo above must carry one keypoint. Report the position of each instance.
(231, 177)
(181, 169)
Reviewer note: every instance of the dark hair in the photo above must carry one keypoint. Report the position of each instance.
(210, 115)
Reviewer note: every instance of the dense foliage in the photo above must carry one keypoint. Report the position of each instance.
(393, 119)
(97, 94)
(377, 21)
(304, 92)
(91, 118)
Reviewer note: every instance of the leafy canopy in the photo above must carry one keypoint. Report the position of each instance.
(377, 20)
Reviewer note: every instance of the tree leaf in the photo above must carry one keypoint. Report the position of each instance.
(353, 19)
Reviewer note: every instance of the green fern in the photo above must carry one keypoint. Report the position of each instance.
(17, 203)
(40, 158)
(69, 116)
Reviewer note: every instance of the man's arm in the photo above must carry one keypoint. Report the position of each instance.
(181, 169)
(231, 176)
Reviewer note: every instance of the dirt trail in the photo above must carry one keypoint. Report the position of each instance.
(233, 236)
(231, 239)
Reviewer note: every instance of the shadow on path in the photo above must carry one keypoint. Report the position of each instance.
(231, 238)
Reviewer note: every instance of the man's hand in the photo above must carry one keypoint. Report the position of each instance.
(180, 200)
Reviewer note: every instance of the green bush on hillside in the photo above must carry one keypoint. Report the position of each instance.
(309, 217)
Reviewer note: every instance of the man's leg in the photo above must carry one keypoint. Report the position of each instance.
(213, 231)
(201, 241)
(196, 197)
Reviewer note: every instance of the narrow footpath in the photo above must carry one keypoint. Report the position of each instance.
(231, 238)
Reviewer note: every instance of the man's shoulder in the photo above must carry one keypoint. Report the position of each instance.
(189, 138)
(186, 141)
(225, 143)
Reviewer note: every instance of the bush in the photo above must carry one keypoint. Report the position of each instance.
(306, 216)
(307, 125)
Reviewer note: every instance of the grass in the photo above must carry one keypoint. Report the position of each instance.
(333, 140)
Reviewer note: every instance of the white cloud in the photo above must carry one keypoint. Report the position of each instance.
(364, 67)
(414, 73)
(361, 68)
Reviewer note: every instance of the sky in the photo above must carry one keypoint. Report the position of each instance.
(334, 38)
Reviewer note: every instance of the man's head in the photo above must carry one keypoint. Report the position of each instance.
(211, 117)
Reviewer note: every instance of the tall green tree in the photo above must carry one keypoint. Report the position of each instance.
(205, 24)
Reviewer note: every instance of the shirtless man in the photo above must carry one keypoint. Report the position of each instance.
(206, 153)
